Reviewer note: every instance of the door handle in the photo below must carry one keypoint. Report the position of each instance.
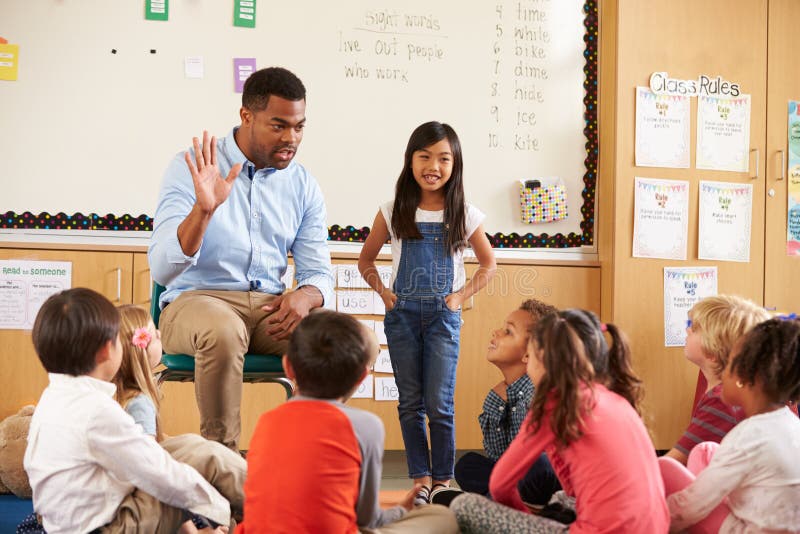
(783, 164)
(758, 162)
(119, 284)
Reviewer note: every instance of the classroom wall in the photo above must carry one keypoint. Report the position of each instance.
(101, 103)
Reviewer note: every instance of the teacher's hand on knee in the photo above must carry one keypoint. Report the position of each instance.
(289, 309)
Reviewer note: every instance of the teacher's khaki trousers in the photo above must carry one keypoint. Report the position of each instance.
(218, 328)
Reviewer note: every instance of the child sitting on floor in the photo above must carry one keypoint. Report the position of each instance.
(90, 466)
(314, 464)
(750, 481)
(715, 323)
(504, 411)
(138, 394)
(584, 415)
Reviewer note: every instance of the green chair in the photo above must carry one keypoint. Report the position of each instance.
(258, 368)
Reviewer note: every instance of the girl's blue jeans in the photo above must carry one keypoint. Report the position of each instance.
(423, 334)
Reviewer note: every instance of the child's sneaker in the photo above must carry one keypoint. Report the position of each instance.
(423, 496)
(444, 495)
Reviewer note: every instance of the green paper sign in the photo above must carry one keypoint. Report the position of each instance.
(244, 13)
(156, 9)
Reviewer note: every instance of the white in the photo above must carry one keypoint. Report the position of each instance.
(85, 455)
(474, 218)
(756, 466)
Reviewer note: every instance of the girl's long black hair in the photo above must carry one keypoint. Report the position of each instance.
(407, 192)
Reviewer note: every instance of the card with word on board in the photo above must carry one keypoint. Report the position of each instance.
(369, 323)
(355, 302)
(383, 364)
(364, 390)
(288, 277)
(378, 307)
(380, 332)
(386, 389)
(348, 277)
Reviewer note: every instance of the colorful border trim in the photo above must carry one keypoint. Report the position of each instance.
(94, 221)
(76, 221)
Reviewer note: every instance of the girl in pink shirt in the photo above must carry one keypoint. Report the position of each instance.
(584, 416)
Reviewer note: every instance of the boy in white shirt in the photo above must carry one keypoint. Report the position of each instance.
(90, 466)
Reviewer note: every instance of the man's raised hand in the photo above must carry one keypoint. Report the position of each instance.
(210, 188)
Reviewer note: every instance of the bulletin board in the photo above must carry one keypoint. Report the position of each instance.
(102, 102)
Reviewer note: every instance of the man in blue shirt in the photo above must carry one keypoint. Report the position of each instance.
(228, 214)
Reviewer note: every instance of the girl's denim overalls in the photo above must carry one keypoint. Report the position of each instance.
(423, 338)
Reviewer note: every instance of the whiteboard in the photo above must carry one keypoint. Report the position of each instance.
(85, 130)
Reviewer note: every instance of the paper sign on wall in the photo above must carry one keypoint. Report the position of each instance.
(662, 129)
(661, 218)
(726, 210)
(683, 286)
(793, 187)
(156, 9)
(723, 133)
(244, 13)
(386, 389)
(25, 285)
(9, 61)
(243, 67)
(383, 364)
(364, 390)
(193, 67)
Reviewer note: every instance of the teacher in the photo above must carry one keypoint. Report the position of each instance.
(228, 214)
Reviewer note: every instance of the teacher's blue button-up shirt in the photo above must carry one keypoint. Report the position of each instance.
(268, 214)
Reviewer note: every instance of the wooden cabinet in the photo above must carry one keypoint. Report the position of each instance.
(124, 277)
(563, 285)
(24, 378)
(745, 41)
(781, 272)
(142, 284)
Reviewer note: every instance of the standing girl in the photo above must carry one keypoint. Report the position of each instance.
(755, 465)
(429, 223)
(584, 416)
(138, 393)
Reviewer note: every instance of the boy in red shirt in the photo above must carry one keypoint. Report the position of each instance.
(314, 464)
(715, 323)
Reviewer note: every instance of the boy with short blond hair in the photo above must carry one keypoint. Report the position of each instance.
(714, 325)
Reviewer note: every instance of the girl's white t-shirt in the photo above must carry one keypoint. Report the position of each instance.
(756, 468)
(474, 218)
